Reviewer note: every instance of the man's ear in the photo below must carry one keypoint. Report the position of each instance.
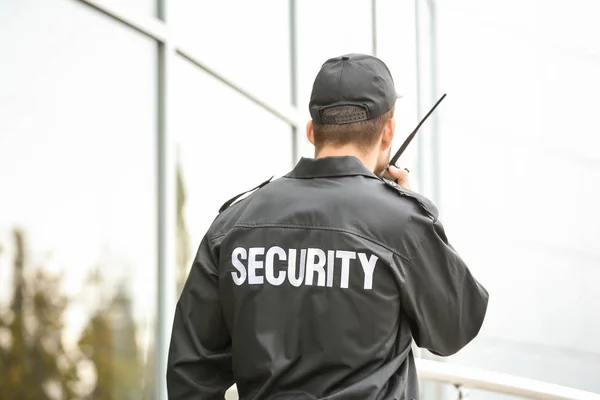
(310, 132)
(387, 135)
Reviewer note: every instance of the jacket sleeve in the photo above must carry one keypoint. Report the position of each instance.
(445, 304)
(199, 361)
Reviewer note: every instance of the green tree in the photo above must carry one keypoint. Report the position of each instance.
(33, 359)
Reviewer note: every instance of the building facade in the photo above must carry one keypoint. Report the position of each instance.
(125, 124)
(519, 179)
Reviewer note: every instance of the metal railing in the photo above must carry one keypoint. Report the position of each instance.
(465, 378)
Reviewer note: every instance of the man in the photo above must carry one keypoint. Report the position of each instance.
(315, 286)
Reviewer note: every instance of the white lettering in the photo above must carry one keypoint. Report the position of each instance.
(330, 265)
(254, 264)
(270, 269)
(346, 256)
(239, 277)
(312, 266)
(296, 281)
(368, 266)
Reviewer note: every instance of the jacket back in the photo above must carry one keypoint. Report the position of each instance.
(323, 278)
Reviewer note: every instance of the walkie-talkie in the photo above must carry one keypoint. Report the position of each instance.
(409, 139)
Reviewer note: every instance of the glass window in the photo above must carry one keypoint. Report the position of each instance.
(396, 46)
(247, 41)
(226, 145)
(519, 151)
(77, 221)
(145, 7)
(327, 29)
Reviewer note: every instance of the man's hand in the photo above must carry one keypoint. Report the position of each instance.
(400, 176)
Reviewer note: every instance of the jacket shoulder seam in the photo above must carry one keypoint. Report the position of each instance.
(232, 201)
(217, 236)
(412, 196)
(323, 228)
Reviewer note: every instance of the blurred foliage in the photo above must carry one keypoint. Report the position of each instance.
(34, 361)
(36, 364)
(183, 238)
(109, 342)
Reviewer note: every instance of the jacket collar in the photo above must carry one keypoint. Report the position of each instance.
(330, 167)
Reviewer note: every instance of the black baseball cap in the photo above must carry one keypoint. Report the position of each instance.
(352, 80)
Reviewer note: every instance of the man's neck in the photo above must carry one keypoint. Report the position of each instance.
(369, 160)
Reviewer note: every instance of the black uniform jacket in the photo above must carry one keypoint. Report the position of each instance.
(314, 287)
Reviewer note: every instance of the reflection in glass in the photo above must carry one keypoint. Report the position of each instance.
(396, 46)
(327, 29)
(522, 130)
(77, 210)
(226, 145)
(247, 41)
(144, 7)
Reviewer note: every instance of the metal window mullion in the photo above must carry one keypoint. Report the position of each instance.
(146, 25)
(166, 201)
(433, 76)
(374, 27)
(420, 144)
(428, 142)
(294, 80)
(157, 29)
(166, 226)
(287, 114)
(426, 95)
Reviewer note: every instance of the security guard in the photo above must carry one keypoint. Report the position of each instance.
(315, 285)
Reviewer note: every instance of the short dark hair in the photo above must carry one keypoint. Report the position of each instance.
(363, 133)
